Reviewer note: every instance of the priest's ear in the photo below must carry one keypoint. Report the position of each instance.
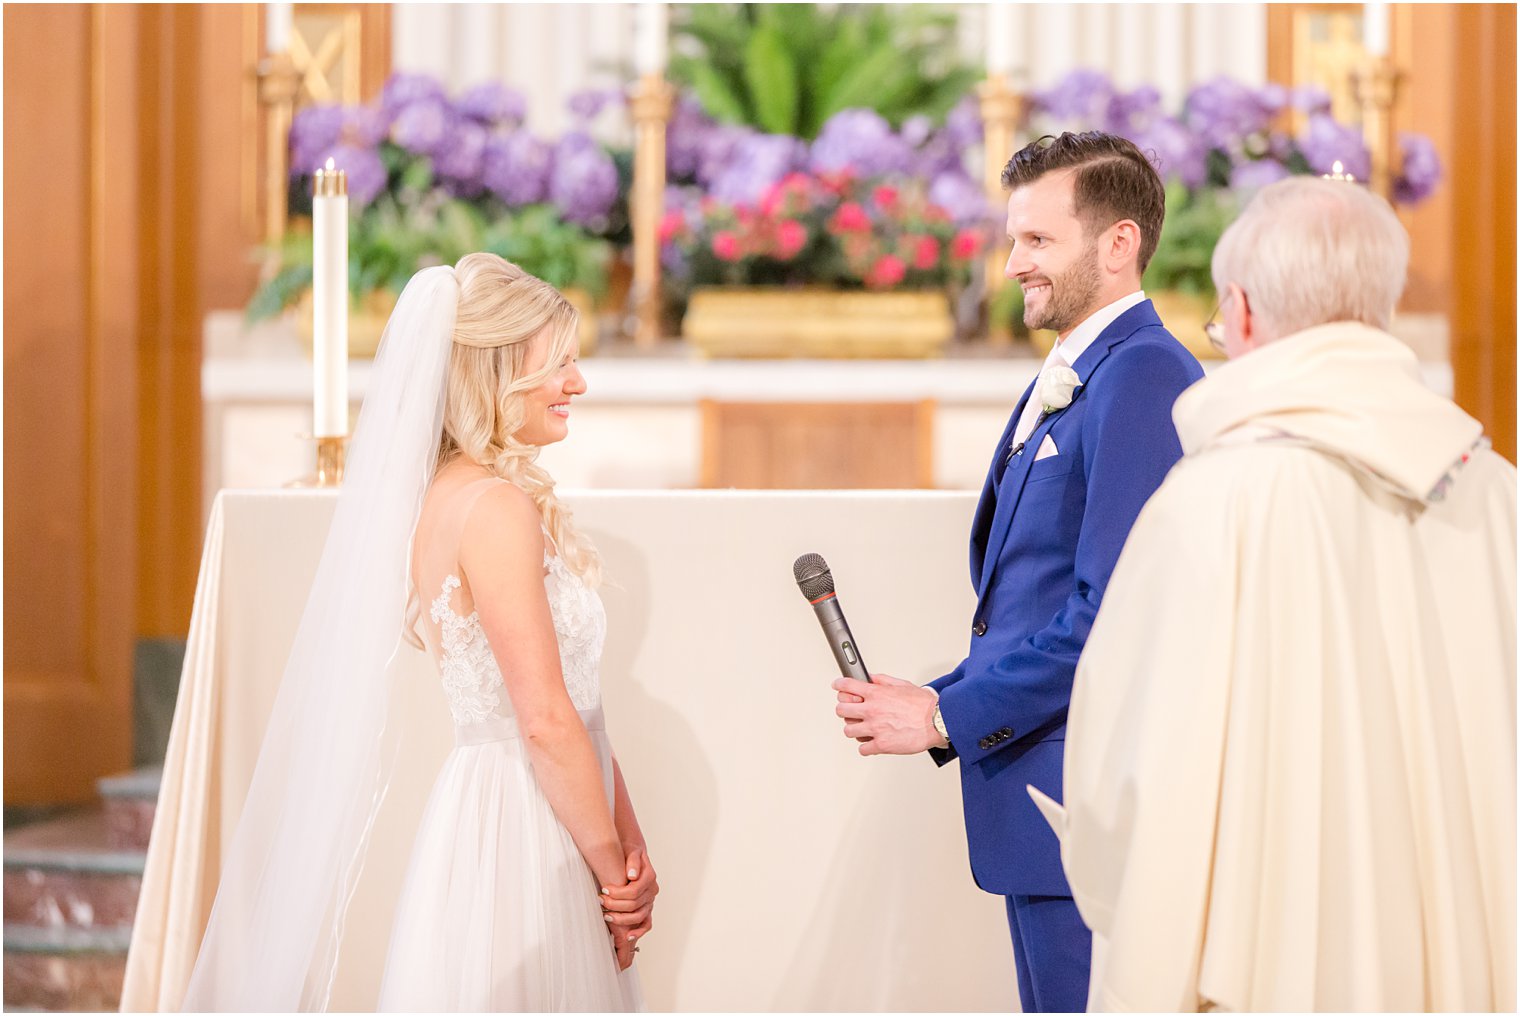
(1242, 328)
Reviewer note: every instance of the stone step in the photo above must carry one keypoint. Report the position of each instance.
(130, 800)
(64, 969)
(65, 874)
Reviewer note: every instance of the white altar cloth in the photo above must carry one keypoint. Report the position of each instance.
(795, 875)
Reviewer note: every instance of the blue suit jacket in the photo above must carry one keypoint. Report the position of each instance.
(1044, 541)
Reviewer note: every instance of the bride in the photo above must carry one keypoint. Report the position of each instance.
(529, 884)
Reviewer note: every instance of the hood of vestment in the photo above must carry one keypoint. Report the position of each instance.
(1347, 389)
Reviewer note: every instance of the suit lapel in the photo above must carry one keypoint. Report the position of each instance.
(987, 504)
(1001, 501)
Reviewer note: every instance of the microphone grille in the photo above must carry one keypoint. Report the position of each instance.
(813, 576)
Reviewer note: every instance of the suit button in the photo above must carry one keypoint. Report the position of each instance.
(985, 743)
(980, 628)
(1006, 732)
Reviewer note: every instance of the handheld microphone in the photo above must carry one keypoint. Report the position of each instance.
(817, 584)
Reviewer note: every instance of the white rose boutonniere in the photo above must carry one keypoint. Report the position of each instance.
(1056, 387)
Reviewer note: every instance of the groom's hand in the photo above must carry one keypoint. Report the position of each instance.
(889, 717)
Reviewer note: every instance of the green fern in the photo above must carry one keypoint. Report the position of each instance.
(787, 68)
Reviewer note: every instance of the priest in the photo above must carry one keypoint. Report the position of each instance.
(1290, 757)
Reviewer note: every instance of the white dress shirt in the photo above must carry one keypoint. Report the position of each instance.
(1065, 353)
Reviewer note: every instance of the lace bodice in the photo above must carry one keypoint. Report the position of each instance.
(471, 678)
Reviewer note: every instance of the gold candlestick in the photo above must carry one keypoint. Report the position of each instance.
(1376, 83)
(279, 84)
(1001, 109)
(653, 100)
(332, 453)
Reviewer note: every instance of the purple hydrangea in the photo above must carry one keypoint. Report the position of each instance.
(1175, 150)
(365, 171)
(422, 127)
(916, 130)
(401, 90)
(1311, 99)
(1325, 141)
(1131, 113)
(588, 104)
(365, 125)
(685, 137)
(862, 141)
(1420, 170)
(584, 180)
(962, 198)
(759, 161)
(313, 132)
(938, 155)
(963, 124)
(1255, 174)
(1224, 112)
(717, 151)
(459, 157)
(516, 167)
(1081, 97)
(493, 103)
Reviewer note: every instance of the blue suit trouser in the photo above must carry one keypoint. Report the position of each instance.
(1052, 950)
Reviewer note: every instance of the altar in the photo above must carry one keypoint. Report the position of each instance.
(645, 422)
(795, 875)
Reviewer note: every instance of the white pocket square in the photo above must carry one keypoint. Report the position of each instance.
(1047, 449)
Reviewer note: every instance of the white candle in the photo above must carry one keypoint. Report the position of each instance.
(1375, 29)
(278, 19)
(1000, 40)
(650, 38)
(329, 288)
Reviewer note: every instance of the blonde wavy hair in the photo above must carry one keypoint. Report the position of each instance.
(501, 309)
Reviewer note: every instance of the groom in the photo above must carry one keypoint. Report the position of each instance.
(1089, 441)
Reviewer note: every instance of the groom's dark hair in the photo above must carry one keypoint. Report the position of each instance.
(1114, 181)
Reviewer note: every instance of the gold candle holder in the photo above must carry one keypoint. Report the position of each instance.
(331, 455)
(1001, 108)
(652, 101)
(1376, 84)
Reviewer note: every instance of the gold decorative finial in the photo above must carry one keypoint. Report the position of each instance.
(1337, 172)
(330, 182)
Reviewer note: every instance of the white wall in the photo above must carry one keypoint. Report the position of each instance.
(551, 51)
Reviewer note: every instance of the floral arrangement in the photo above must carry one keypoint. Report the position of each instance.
(431, 178)
(1225, 142)
(1227, 133)
(863, 205)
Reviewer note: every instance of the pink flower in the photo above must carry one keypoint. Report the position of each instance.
(886, 272)
(885, 196)
(965, 245)
(791, 237)
(851, 218)
(925, 252)
(671, 224)
(770, 201)
(726, 245)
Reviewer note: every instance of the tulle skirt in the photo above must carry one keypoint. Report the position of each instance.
(499, 911)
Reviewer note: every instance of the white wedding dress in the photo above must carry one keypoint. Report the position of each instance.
(499, 911)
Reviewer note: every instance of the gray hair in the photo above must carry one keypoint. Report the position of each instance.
(1309, 251)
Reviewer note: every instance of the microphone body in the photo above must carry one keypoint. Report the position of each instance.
(817, 584)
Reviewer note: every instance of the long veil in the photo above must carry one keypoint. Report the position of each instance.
(324, 765)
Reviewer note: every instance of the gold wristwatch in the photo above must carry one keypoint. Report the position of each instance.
(939, 719)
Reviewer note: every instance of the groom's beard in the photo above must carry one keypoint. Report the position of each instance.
(1072, 295)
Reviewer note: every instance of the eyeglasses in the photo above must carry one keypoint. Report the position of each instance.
(1214, 330)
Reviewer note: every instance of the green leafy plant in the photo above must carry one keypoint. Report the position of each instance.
(787, 68)
(1195, 220)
